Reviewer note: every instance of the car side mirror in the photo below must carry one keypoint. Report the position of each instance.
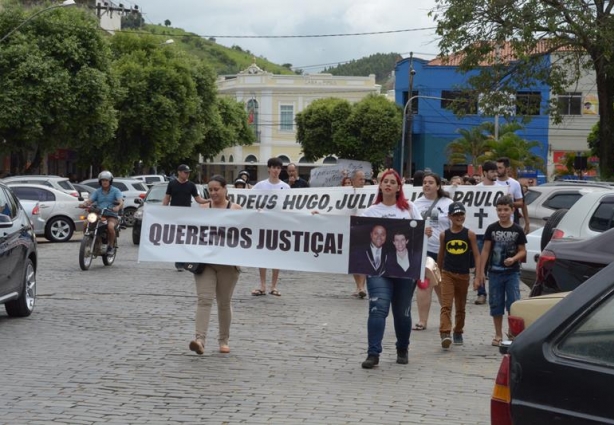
(80, 199)
(5, 221)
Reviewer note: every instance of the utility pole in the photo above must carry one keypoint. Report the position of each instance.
(410, 94)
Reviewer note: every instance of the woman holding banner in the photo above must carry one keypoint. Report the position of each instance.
(215, 282)
(434, 205)
(387, 291)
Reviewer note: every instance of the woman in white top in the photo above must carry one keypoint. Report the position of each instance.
(435, 202)
(387, 291)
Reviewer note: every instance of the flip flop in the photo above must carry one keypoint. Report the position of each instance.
(362, 294)
(258, 292)
(275, 292)
(419, 327)
(496, 341)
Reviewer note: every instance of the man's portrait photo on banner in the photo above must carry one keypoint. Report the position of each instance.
(386, 247)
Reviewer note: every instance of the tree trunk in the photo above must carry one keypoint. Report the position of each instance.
(35, 164)
(605, 91)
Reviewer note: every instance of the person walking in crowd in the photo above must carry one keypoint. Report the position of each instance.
(244, 174)
(271, 183)
(433, 204)
(417, 178)
(358, 182)
(294, 180)
(216, 282)
(179, 193)
(489, 170)
(240, 183)
(457, 246)
(504, 249)
(515, 191)
(110, 199)
(346, 181)
(386, 291)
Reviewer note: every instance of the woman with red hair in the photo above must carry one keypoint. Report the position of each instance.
(386, 291)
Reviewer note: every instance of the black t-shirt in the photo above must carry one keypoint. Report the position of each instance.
(181, 193)
(457, 251)
(504, 244)
(298, 183)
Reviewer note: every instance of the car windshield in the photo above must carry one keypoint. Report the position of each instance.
(66, 185)
(530, 196)
(139, 186)
(156, 194)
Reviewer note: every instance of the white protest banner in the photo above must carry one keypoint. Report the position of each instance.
(267, 239)
(479, 201)
(331, 175)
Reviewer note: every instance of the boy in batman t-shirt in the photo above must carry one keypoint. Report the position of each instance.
(458, 246)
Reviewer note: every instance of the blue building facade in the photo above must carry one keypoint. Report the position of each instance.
(434, 126)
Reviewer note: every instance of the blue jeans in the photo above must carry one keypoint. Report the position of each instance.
(480, 242)
(384, 291)
(504, 289)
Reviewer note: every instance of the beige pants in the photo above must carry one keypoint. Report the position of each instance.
(216, 282)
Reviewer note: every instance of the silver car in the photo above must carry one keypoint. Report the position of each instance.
(60, 211)
(33, 210)
(56, 182)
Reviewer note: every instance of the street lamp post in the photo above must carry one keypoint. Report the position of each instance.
(55, 6)
(409, 101)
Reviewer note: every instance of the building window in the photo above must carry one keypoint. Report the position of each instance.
(286, 115)
(570, 103)
(414, 102)
(528, 103)
(459, 102)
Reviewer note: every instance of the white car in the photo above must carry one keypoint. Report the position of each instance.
(527, 269)
(33, 210)
(60, 210)
(151, 179)
(131, 190)
(56, 182)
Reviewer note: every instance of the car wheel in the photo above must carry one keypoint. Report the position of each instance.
(24, 305)
(136, 235)
(59, 229)
(129, 216)
(551, 224)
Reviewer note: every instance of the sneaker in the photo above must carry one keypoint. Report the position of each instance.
(457, 339)
(481, 299)
(370, 362)
(110, 251)
(402, 357)
(197, 346)
(446, 341)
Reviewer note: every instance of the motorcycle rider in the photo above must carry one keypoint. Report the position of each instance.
(105, 197)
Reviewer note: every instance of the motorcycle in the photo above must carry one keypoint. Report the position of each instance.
(94, 242)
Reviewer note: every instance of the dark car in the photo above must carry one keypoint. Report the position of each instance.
(155, 195)
(566, 263)
(560, 369)
(18, 256)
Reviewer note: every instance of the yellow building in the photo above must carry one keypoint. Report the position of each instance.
(272, 101)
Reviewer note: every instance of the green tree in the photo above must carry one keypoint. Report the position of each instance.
(568, 162)
(578, 31)
(57, 84)
(511, 145)
(367, 130)
(167, 23)
(133, 20)
(469, 147)
(593, 140)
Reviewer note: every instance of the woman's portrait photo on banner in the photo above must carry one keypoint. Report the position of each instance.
(386, 247)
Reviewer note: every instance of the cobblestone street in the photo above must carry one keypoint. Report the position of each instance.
(110, 345)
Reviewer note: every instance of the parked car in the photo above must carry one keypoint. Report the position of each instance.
(59, 210)
(526, 311)
(566, 263)
(529, 266)
(561, 368)
(132, 189)
(84, 190)
(155, 195)
(151, 179)
(543, 200)
(586, 219)
(33, 210)
(56, 182)
(18, 256)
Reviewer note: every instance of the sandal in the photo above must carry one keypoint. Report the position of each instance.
(419, 327)
(275, 292)
(496, 341)
(362, 294)
(258, 292)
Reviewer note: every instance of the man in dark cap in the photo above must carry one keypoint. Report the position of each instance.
(179, 193)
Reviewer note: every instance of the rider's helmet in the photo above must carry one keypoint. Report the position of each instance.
(105, 175)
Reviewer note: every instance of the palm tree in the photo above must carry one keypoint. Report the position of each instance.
(467, 148)
(517, 149)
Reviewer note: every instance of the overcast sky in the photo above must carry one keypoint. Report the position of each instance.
(304, 17)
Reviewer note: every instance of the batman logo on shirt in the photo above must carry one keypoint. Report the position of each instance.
(457, 247)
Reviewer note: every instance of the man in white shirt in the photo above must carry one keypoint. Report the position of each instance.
(273, 182)
(515, 191)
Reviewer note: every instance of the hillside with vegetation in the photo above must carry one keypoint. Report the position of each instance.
(224, 60)
(380, 64)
